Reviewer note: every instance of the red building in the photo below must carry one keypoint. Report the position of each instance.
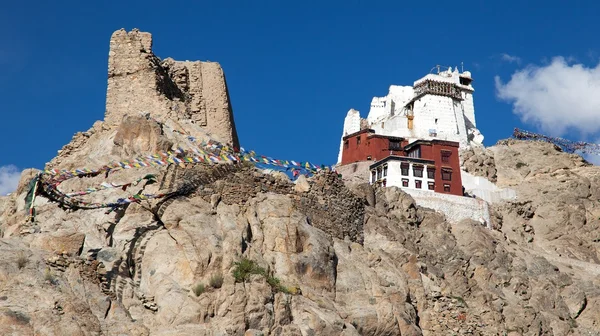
(423, 164)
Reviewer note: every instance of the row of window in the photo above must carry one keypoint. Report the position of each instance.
(415, 153)
(380, 173)
(392, 145)
(430, 185)
(417, 171)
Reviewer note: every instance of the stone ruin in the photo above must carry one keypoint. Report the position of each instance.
(145, 93)
(139, 81)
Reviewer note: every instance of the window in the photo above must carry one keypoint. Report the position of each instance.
(418, 184)
(346, 143)
(431, 173)
(394, 145)
(446, 156)
(446, 187)
(384, 182)
(404, 169)
(358, 140)
(373, 176)
(417, 171)
(446, 174)
(405, 182)
(384, 170)
(430, 185)
(378, 173)
(415, 153)
(369, 158)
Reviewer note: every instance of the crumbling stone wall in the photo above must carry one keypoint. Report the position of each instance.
(240, 187)
(138, 81)
(333, 208)
(328, 203)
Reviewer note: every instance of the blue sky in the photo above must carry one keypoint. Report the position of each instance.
(295, 68)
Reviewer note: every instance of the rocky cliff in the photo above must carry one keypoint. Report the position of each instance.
(242, 251)
(319, 258)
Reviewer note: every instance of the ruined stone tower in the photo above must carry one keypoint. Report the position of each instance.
(192, 92)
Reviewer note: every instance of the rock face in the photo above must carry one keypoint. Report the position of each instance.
(478, 161)
(391, 268)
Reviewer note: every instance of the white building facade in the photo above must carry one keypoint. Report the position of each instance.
(437, 106)
(404, 173)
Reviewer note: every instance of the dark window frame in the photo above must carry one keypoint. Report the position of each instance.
(417, 170)
(432, 171)
(415, 153)
(446, 175)
(446, 187)
(405, 182)
(418, 184)
(446, 156)
(431, 185)
(404, 167)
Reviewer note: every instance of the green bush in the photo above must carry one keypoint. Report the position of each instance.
(216, 281)
(246, 267)
(199, 289)
(49, 277)
(275, 283)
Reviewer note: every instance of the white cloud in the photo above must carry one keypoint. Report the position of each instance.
(9, 179)
(556, 97)
(510, 58)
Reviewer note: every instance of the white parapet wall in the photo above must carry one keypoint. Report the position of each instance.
(455, 208)
(484, 189)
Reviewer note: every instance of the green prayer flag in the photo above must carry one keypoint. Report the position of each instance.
(30, 192)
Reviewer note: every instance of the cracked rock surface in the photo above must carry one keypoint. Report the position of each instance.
(403, 271)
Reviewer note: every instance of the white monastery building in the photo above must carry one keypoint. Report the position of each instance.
(437, 106)
(411, 139)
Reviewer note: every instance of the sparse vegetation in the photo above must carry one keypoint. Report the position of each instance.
(461, 301)
(199, 289)
(22, 260)
(216, 281)
(246, 267)
(49, 277)
(521, 164)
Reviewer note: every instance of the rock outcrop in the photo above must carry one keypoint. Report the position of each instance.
(478, 161)
(395, 269)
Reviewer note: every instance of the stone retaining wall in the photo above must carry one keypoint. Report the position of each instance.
(455, 208)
